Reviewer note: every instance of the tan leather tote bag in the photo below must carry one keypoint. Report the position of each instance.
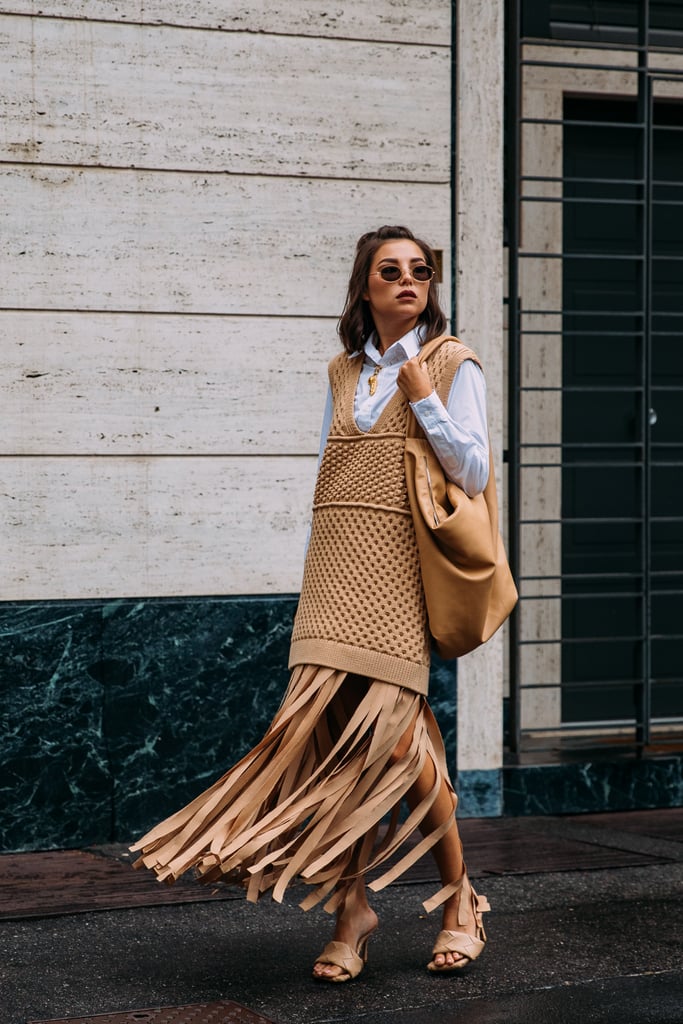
(469, 589)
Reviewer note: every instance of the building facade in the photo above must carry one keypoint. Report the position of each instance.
(183, 186)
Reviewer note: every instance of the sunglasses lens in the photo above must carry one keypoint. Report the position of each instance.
(420, 273)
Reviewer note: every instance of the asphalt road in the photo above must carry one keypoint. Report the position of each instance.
(570, 947)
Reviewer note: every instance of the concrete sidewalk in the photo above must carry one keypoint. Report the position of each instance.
(569, 947)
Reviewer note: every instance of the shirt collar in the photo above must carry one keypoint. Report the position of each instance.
(405, 348)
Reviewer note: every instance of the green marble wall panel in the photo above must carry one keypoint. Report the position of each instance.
(480, 793)
(606, 785)
(113, 714)
(55, 781)
(189, 687)
(116, 713)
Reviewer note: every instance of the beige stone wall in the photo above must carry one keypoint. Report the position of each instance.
(183, 183)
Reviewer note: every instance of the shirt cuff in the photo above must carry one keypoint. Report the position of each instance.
(430, 411)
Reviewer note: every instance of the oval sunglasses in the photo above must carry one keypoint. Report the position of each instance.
(421, 273)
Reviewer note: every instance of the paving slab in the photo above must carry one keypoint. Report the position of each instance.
(56, 882)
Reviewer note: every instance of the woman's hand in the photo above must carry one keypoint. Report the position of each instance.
(414, 381)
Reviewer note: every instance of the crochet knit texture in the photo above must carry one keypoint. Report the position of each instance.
(362, 605)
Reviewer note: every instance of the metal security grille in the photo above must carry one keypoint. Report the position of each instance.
(595, 229)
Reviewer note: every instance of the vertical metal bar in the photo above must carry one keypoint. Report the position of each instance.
(454, 227)
(454, 156)
(513, 115)
(645, 116)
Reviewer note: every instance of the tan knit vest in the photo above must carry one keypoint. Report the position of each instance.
(362, 606)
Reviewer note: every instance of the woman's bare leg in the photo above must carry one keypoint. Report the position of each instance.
(355, 916)
(447, 852)
(355, 920)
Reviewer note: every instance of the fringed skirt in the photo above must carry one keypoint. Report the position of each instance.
(307, 802)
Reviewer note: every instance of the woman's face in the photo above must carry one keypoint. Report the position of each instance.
(400, 301)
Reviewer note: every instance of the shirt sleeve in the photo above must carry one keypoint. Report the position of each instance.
(324, 433)
(326, 424)
(458, 432)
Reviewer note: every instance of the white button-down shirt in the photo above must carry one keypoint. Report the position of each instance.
(458, 431)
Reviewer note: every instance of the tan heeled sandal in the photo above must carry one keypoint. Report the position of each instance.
(340, 954)
(467, 947)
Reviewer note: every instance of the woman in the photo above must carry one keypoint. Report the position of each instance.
(354, 734)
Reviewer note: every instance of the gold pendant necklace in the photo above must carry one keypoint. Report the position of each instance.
(372, 379)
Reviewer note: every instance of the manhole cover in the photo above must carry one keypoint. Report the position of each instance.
(224, 1012)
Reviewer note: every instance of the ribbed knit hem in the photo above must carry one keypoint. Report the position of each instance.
(389, 669)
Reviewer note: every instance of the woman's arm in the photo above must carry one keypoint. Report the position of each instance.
(458, 432)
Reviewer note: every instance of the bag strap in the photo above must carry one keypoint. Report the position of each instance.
(415, 430)
(460, 355)
(430, 347)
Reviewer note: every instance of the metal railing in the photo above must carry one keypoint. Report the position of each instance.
(595, 442)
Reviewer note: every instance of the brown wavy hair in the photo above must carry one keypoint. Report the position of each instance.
(356, 324)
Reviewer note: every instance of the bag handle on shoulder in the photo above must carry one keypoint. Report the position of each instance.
(428, 349)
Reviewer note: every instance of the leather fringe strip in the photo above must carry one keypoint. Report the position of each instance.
(306, 803)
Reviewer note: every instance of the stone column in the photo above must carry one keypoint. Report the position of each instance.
(479, 323)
